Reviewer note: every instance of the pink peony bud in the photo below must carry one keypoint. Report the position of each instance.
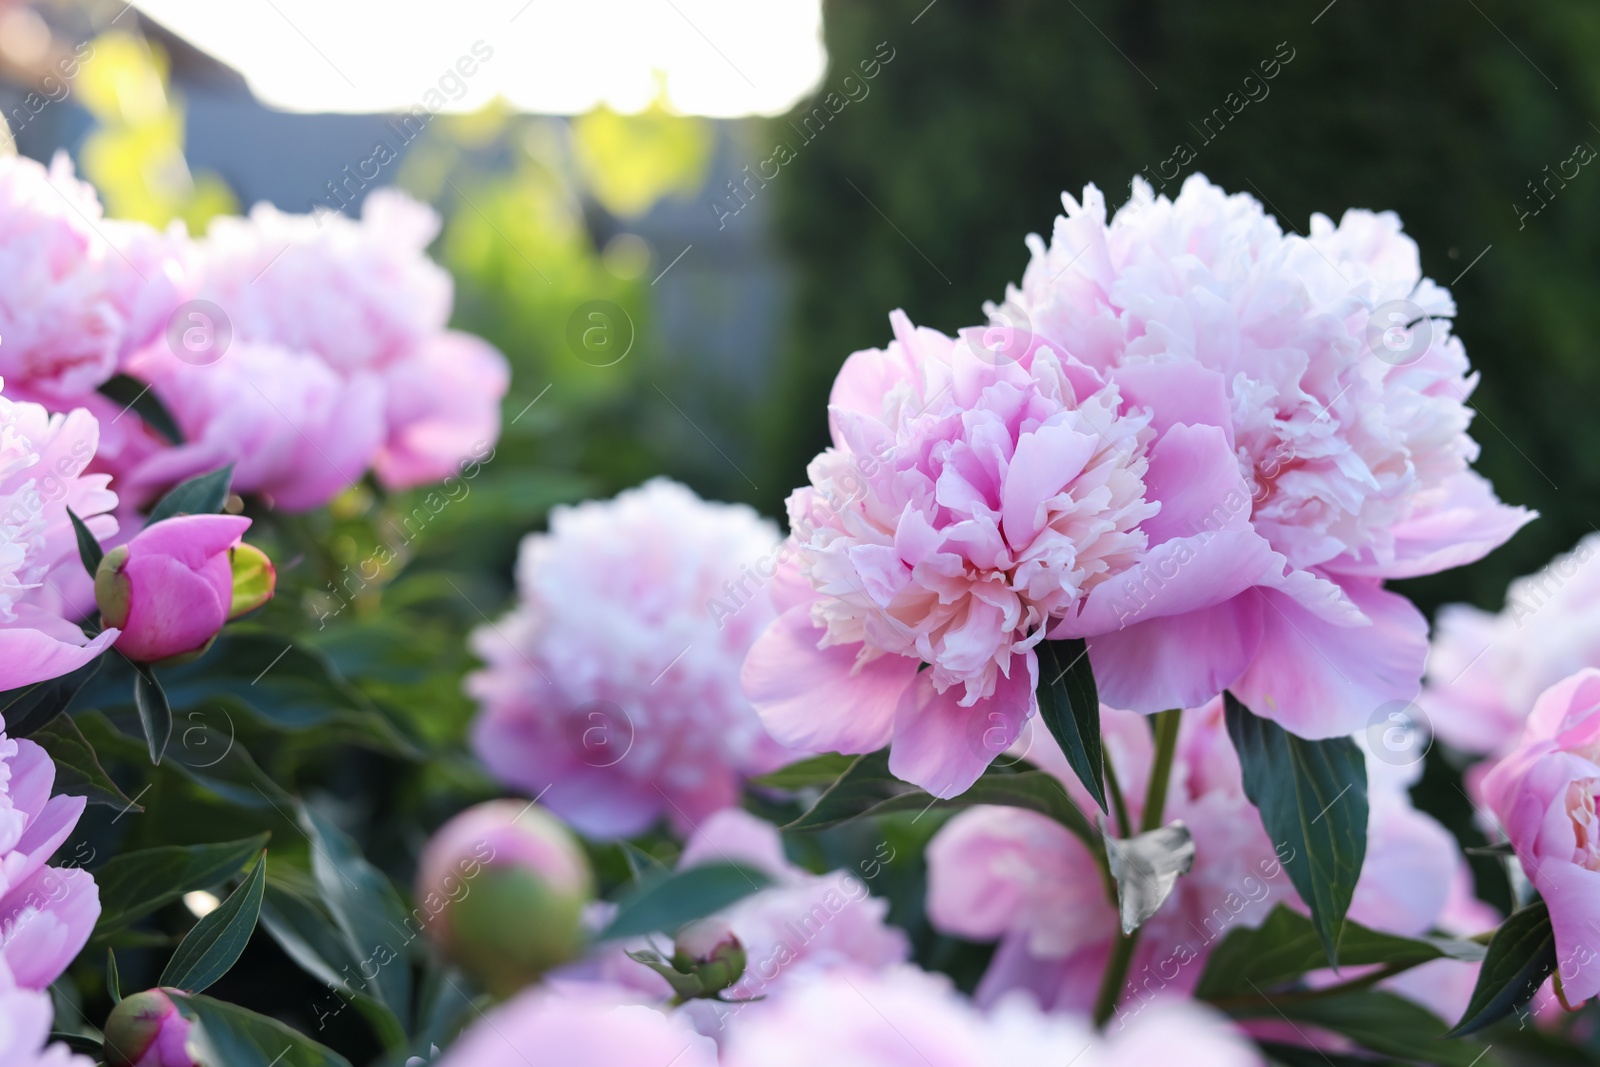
(710, 951)
(501, 889)
(171, 588)
(146, 1030)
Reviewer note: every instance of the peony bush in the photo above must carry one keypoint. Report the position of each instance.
(1072, 719)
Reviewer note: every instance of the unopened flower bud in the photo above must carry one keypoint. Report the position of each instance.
(147, 1030)
(504, 886)
(709, 950)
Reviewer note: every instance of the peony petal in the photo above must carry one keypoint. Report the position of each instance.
(1177, 661)
(944, 747)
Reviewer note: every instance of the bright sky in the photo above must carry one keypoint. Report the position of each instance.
(718, 57)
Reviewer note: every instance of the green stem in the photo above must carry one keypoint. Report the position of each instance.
(1118, 804)
(1155, 804)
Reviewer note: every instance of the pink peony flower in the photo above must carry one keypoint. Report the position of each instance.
(1024, 880)
(1327, 364)
(46, 913)
(25, 1016)
(587, 1025)
(1544, 794)
(77, 292)
(147, 1030)
(1485, 671)
(614, 683)
(170, 589)
(907, 1017)
(802, 924)
(42, 461)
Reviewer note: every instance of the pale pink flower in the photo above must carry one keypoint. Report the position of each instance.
(42, 462)
(1328, 365)
(46, 913)
(1485, 671)
(1024, 880)
(1544, 794)
(903, 1017)
(585, 1025)
(25, 1016)
(77, 292)
(614, 683)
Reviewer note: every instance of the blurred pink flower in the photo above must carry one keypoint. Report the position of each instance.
(1327, 364)
(170, 589)
(1544, 794)
(46, 913)
(903, 1017)
(802, 924)
(77, 291)
(579, 1025)
(614, 683)
(1023, 879)
(25, 1016)
(42, 461)
(1485, 671)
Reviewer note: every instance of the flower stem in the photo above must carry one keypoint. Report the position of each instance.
(1118, 804)
(1166, 731)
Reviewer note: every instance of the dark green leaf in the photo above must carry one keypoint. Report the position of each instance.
(28, 708)
(810, 773)
(665, 903)
(89, 550)
(228, 1034)
(1503, 848)
(1287, 946)
(1305, 1056)
(81, 1043)
(218, 940)
(204, 495)
(78, 770)
(155, 714)
(113, 979)
(1069, 704)
(132, 393)
(366, 909)
(1312, 796)
(868, 788)
(1522, 954)
(134, 884)
(1385, 1023)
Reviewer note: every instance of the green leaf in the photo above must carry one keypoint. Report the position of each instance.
(1522, 954)
(80, 1043)
(1287, 946)
(218, 940)
(868, 788)
(665, 903)
(155, 714)
(1387, 1024)
(1305, 1056)
(366, 909)
(808, 773)
(1069, 704)
(28, 708)
(89, 550)
(135, 884)
(228, 1034)
(132, 393)
(204, 495)
(78, 770)
(1312, 796)
(113, 979)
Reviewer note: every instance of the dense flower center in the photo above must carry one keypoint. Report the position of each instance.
(979, 503)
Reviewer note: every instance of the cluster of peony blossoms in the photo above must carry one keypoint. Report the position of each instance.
(612, 689)
(1183, 438)
(303, 349)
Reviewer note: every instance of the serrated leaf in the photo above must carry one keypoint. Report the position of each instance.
(131, 393)
(155, 713)
(89, 550)
(1069, 704)
(1312, 796)
(1521, 956)
(810, 773)
(135, 884)
(204, 495)
(664, 904)
(78, 770)
(868, 789)
(218, 940)
(1287, 946)
(228, 1034)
